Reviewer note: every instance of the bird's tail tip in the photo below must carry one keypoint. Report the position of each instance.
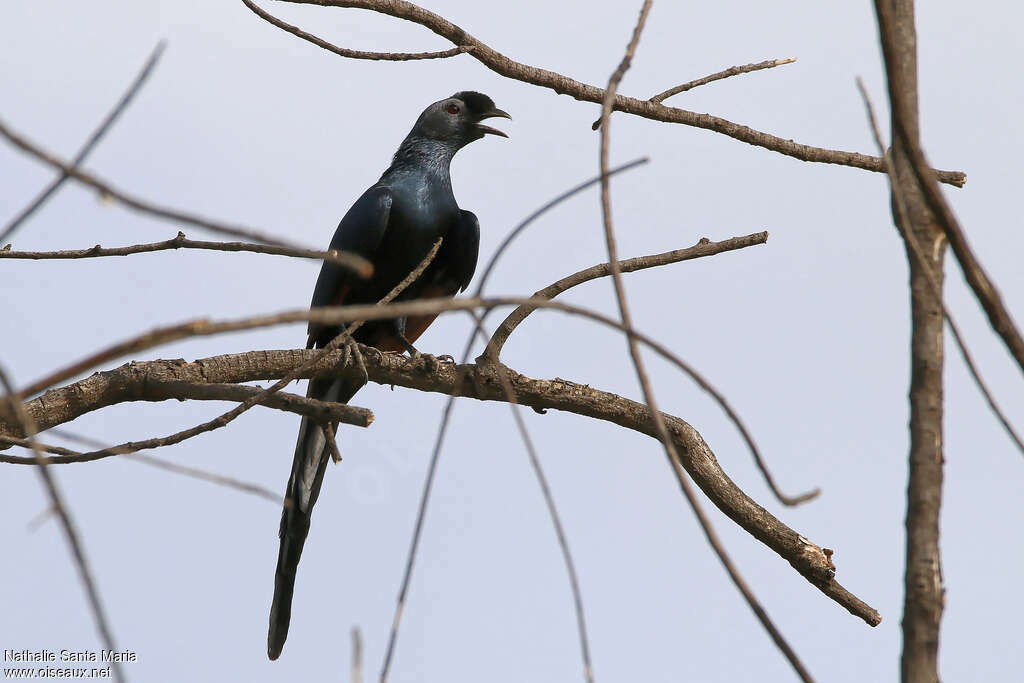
(284, 587)
(278, 632)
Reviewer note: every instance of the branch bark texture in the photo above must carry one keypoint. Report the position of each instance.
(924, 595)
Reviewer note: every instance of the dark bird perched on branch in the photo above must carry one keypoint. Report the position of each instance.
(394, 225)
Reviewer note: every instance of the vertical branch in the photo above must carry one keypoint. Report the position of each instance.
(923, 591)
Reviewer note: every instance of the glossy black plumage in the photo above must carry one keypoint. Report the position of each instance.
(393, 224)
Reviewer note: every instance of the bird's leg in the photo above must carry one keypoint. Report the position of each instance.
(399, 331)
(431, 362)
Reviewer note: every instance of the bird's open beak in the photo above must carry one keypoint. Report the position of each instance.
(490, 115)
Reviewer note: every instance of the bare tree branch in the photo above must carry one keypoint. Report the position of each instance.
(345, 52)
(727, 73)
(354, 262)
(924, 594)
(481, 382)
(904, 116)
(93, 140)
(704, 247)
(563, 85)
(27, 427)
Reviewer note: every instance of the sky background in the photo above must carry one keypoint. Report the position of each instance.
(807, 336)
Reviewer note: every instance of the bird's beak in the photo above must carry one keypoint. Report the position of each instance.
(490, 115)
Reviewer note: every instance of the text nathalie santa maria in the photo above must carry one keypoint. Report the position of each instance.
(70, 656)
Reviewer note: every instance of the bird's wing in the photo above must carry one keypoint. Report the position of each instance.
(360, 231)
(464, 237)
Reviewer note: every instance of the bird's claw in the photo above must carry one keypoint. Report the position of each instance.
(432, 363)
(351, 351)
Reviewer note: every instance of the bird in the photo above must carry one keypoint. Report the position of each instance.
(394, 224)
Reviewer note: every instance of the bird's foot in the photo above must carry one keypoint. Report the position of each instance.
(350, 352)
(432, 363)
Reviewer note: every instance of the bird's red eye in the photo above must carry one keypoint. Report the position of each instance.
(453, 109)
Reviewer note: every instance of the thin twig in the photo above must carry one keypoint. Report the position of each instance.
(8, 440)
(67, 524)
(690, 85)
(357, 655)
(332, 444)
(908, 237)
(503, 66)
(638, 364)
(540, 211)
(160, 463)
(701, 249)
(109, 192)
(556, 522)
(354, 262)
(731, 71)
(345, 52)
(96, 136)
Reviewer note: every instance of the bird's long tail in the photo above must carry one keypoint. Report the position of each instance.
(308, 467)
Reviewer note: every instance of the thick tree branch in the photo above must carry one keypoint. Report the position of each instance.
(905, 132)
(924, 594)
(482, 382)
(500, 64)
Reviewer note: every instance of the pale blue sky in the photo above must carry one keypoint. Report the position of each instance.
(808, 336)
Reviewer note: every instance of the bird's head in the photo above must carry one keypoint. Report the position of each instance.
(457, 119)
